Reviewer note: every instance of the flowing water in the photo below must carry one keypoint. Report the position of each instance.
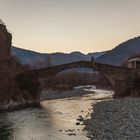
(54, 120)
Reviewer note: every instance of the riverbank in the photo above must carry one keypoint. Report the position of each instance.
(14, 106)
(53, 120)
(99, 94)
(56, 94)
(115, 120)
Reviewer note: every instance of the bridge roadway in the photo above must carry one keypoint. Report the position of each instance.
(123, 80)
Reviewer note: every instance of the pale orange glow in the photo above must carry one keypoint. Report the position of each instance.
(71, 25)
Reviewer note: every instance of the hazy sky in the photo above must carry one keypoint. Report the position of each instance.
(69, 25)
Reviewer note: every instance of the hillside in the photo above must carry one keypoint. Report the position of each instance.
(121, 53)
(28, 57)
(37, 60)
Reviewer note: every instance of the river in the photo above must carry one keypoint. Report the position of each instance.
(54, 120)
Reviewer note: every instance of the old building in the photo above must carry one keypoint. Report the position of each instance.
(134, 63)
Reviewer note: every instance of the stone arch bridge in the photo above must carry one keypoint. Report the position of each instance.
(125, 81)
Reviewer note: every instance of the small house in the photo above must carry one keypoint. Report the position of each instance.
(134, 63)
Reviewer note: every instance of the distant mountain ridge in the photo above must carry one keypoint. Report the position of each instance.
(116, 56)
(121, 53)
(39, 60)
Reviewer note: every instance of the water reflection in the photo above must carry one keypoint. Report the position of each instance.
(56, 120)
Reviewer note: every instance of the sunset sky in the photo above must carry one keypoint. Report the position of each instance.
(70, 25)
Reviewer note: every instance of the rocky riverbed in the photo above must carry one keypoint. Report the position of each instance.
(115, 120)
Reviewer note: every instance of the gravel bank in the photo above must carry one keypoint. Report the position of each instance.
(115, 120)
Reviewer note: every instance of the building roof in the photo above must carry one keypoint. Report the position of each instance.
(134, 59)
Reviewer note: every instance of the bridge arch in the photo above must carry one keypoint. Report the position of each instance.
(71, 77)
(50, 71)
